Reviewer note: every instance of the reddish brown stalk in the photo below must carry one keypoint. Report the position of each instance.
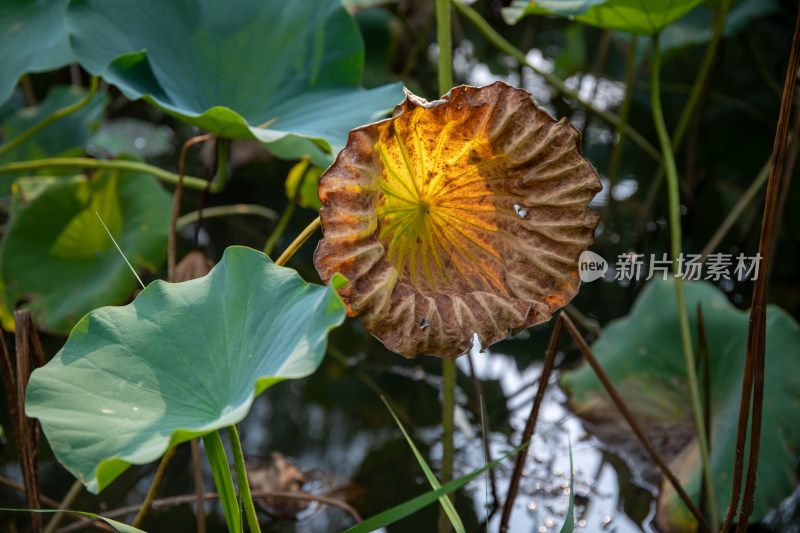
(753, 379)
(29, 350)
(786, 183)
(151, 493)
(530, 425)
(632, 422)
(198, 486)
(703, 364)
(176, 202)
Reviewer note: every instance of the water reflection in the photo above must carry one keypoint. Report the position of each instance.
(623, 190)
(603, 491)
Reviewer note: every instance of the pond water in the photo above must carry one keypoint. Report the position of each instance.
(610, 494)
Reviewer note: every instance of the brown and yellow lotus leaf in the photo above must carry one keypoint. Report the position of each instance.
(459, 216)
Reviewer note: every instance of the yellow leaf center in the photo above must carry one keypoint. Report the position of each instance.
(435, 211)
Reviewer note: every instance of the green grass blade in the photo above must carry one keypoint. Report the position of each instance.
(415, 504)
(485, 443)
(569, 520)
(223, 480)
(449, 510)
(119, 526)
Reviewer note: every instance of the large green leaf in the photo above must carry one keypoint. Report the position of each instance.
(182, 360)
(697, 27)
(260, 69)
(64, 137)
(645, 17)
(56, 255)
(642, 355)
(32, 38)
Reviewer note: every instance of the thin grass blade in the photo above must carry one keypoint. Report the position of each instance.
(119, 526)
(120, 251)
(452, 515)
(415, 504)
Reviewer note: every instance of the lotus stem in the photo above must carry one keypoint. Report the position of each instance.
(220, 469)
(298, 242)
(176, 203)
(241, 476)
(702, 75)
(104, 164)
(449, 372)
(225, 211)
(688, 109)
(151, 492)
(63, 112)
(445, 41)
(755, 356)
(675, 238)
(289, 211)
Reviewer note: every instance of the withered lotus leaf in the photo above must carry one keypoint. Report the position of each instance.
(459, 216)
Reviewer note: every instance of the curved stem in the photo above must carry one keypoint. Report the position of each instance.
(104, 164)
(63, 112)
(688, 109)
(506, 47)
(675, 238)
(241, 476)
(269, 247)
(225, 211)
(298, 242)
(176, 204)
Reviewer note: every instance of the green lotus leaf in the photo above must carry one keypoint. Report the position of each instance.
(64, 137)
(642, 355)
(697, 27)
(182, 360)
(33, 39)
(644, 17)
(263, 69)
(58, 259)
